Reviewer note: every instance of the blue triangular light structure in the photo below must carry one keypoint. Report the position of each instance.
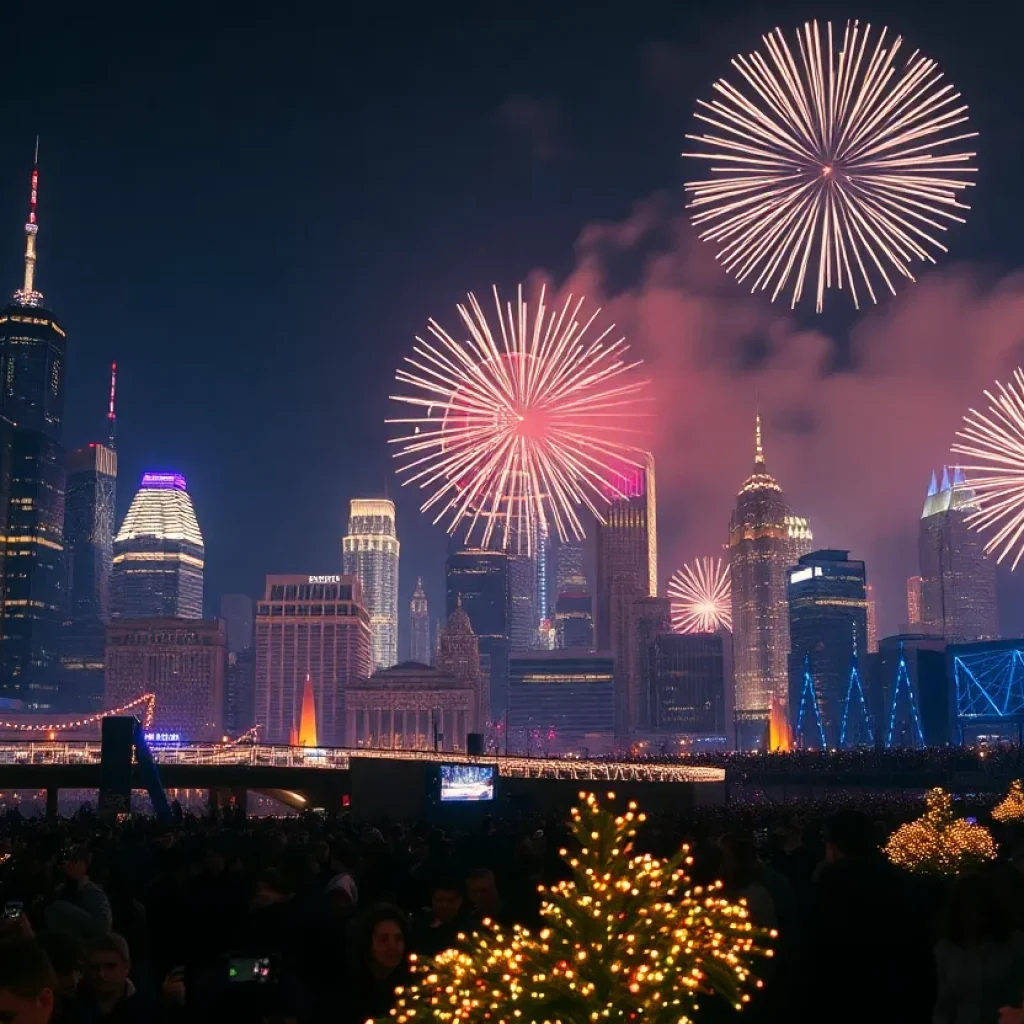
(945, 479)
(808, 691)
(903, 682)
(869, 732)
(933, 487)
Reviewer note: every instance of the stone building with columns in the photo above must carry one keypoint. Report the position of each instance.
(409, 706)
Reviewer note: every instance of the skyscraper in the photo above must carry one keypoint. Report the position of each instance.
(88, 554)
(687, 684)
(828, 619)
(480, 580)
(574, 619)
(627, 569)
(914, 600)
(32, 358)
(158, 554)
(872, 646)
(419, 626)
(569, 570)
(182, 663)
(237, 610)
(523, 607)
(651, 617)
(370, 553)
(958, 581)
(89, 530)
(313, 626)
(765, 539)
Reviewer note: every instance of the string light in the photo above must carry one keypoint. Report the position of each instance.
(148, 699)
(937, 843)
(626, 937)
(1011, 807)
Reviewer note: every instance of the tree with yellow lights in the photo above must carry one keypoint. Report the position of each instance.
(937, 843)
(1011, 807)
(626, 939)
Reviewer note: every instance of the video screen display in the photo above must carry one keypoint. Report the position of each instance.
(461, 783)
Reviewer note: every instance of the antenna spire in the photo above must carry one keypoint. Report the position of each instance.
(27, 295)
(111, 414)
(758, 449)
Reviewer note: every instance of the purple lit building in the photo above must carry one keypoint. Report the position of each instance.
(158, 554)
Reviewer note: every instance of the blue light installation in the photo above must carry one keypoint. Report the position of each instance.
(989, 684)
(808, 689)
(855, 681)
(903, 683)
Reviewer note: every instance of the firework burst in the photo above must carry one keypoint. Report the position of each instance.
(996, 439)
(832, 166)
(701, 595)
(517, 428)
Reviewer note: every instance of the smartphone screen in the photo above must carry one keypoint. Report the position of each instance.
(13, 909)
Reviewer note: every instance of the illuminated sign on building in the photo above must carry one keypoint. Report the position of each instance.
(324, 579)
(805, 574)
(163, 737)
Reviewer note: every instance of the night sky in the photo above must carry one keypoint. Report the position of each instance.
(253, 211)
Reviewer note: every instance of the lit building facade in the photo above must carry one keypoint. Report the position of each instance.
(370, 553)
(158, 554)
(523, 607)
(652, 616)
(988, 691)
(765, 539)
(574, 619)
(564, 696)
(914, 600)
(409, 706)
(479, 579)
(872, 620)
(828, 621)
(958, 581)
(419, 626)
(687, 684)
(627, 570)
(458, 655)
(570, 573)
(315, 625)
(33, 349)
(181, 663)
(89, 530)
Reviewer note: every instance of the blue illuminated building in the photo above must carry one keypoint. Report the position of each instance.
(988, 689)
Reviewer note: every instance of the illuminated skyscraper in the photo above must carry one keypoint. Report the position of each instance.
(458, 655)
(315, 627)
(523, 607)
(182, 663)
(872, 621)
(88, 555)
(479, 580)
(914, 600)
(765, 539)
(158, 554)
(828, 620)
(958, 581)
(370, 553)
(569, 571)
(574, 619)
(32, 358)
(627, 569)
(419, 626)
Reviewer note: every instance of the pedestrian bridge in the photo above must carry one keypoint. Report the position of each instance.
(262, 757)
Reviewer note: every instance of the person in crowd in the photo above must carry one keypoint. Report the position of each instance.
(446, 919)
(378, 964)
(482, 893)
(979, 958)
(82, 907)
(110, 996)
(742, 877)
(28, 988)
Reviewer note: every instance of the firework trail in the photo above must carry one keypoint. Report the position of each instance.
(520, 425)
(701, 595)
(831, 167)
(996, 439)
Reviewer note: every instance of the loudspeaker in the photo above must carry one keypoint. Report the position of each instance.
(474, 743)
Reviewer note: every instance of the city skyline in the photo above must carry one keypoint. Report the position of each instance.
(857, 476)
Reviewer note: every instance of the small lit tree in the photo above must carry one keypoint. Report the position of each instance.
(625, 938)
(937, 843)
(1011, 807)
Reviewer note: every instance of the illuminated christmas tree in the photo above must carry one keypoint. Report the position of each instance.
(1011, 807)
(626, 939)
(937, 843)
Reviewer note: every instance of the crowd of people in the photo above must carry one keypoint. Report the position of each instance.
(313, 919)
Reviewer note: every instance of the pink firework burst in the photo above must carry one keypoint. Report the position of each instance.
(701, 595)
